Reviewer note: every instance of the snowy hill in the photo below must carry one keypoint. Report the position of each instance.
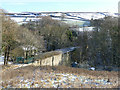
(79, 16)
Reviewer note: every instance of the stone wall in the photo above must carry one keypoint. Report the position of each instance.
(50, 61)
(55, 60)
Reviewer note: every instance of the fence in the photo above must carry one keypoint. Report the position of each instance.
(23, 60)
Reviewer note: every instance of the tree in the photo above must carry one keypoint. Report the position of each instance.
(1, 32)
(29, 41)
(8, 37)
(102, 45)
(55, 33)
(15, 38)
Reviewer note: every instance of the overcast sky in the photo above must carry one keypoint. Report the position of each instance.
(60, 5)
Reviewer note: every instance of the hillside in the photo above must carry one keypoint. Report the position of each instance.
(78, 17)
(57, 77)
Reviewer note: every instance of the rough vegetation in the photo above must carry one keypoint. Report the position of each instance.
(40, 73)
(101, 46)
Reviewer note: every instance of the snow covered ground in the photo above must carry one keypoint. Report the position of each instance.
(2, 60)
(59, 80)
(95, 15)
(42, 77)
(86, 29)
(20, 65)
(71, 16)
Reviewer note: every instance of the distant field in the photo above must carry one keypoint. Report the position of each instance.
(75, 22)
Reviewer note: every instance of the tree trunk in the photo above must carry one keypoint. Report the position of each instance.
(5, 56)
(8, 51)
(26, 55)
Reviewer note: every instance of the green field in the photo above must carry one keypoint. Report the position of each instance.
(72, 22)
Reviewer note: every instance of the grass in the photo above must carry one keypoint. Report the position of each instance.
(26, 72)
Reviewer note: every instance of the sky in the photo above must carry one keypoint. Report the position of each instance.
(60, 5)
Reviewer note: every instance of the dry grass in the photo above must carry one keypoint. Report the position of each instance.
(79, 71)
(27, 73)
(58, 69)
(5, 66)
(8, 74)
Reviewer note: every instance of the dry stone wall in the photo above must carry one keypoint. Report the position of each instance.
(54, 60)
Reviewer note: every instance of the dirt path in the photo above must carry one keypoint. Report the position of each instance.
(13, 66)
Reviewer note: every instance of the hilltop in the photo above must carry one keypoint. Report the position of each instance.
(24, 17)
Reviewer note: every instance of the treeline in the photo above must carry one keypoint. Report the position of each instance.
(101, 46)
(56, 33)
(18, 41)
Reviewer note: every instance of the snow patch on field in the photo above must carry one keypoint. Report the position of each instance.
(58, 80)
